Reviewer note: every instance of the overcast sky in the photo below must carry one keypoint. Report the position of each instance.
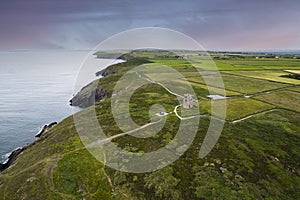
(216, 24)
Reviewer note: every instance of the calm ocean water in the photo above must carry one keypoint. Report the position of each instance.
(35, 88)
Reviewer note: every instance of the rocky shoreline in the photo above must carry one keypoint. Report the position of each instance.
(11, 158)
(15, 153)
(91, 93)
(106, 72)
(87, 96)
(44, 129)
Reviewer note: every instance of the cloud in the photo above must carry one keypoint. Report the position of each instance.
(217, 24)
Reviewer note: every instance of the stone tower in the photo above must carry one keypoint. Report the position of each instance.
(188, 101)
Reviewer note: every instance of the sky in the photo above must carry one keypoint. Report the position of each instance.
(216, 24)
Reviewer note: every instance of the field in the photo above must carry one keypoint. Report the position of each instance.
(283, 99)
(271, 75)
(293, 71)
(234, 84)
(243, 85)
(234, 64)
(249, 107)
(297, 89)
(260, 64)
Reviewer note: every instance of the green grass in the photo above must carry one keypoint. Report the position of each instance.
(296, 89)
(78, 173)
(246, 85)
(172, 62)
(213, 90)
(267, 75)
(233, 64)
(222, 66)
(234, 84)
(283, 99)
(243, 85)
(257, 64)
(235, 108)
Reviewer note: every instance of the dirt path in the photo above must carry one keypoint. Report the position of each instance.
(184, 118)
(249, 116)
(122, 134)
(151, 81)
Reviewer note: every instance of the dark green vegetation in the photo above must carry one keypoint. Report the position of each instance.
(293, 76)
(257, 157)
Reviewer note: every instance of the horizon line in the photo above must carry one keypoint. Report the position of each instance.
(218, 51)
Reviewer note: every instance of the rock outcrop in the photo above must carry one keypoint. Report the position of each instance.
(106, 72)
(11, 158)
(89, 95)
(45, 128)
(15, 153)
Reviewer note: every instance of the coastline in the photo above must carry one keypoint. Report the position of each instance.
(92, 93)
(11, 156)
(35, 89)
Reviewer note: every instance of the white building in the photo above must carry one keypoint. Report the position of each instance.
(188, 101)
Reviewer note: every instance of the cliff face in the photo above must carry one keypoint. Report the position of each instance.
(101, 89)
(12, 157)
(106, 72)
(45, 129)
(89, 95)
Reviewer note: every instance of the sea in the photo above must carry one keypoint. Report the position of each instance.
(35, 89)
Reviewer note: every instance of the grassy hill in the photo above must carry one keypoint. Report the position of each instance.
(256, 157)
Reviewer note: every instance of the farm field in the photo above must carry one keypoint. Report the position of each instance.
(266, 63)
(236, 108)
(272, 75)
(257, 64)
(297, 89)
(233, 83)
(232, 64)
(244, 85)
(283, 99)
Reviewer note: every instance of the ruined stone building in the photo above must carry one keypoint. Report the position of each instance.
(188, 101)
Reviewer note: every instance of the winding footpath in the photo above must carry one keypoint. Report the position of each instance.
(184, 118)
(151, 81)
(255, 114)
(122, 134)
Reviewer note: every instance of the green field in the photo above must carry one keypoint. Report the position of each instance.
(271, 75)
(297, 89)
(239, 84)
(284, 99)
(213, 90)
(236, 108)
(243, 85)
(257, 64)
